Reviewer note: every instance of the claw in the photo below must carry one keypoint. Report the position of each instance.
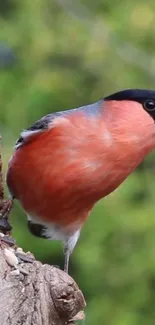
(8, 240)
(24, 258)
(4, 212)
(4, 225)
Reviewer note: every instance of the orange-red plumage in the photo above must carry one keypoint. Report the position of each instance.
(61, 173)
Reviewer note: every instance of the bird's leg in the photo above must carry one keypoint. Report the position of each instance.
(67, 256)
(69, 245)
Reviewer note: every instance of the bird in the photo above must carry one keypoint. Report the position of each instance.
(68, 160)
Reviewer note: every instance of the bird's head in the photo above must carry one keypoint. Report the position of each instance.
(145, 99)
(131, 112)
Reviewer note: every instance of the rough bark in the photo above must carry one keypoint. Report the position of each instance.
(32, 293)
(37, 294)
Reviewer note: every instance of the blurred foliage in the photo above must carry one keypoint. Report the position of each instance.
(60, 54)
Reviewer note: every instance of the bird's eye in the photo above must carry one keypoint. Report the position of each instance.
(149, 105)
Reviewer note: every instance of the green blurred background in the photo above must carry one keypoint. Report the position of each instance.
(60, 54)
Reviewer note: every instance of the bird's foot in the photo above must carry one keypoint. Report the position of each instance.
(56, 266)
(7, 240)
(5, 227)
(24, 257)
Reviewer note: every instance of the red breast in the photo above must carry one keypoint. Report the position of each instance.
(61, 173)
